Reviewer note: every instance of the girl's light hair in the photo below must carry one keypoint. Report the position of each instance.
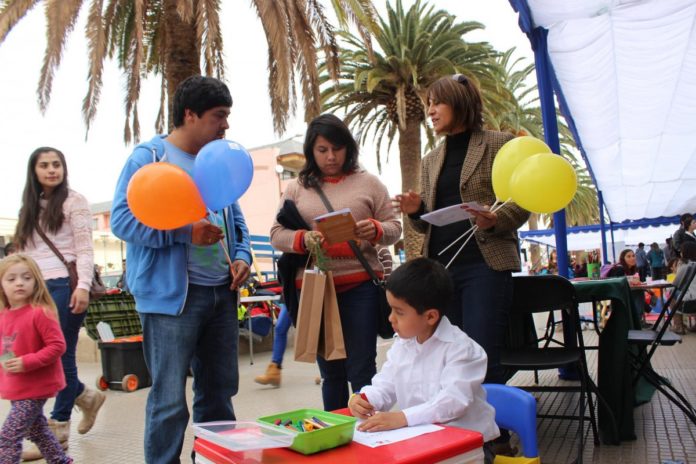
(40, 297)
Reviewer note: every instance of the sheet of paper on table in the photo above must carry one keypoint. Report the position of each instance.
(451, 214)
(375, 439)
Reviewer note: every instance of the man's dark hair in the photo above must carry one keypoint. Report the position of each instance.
(641, 245)
(423, 283)
(199, 94)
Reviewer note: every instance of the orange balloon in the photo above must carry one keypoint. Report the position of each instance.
(163, 196)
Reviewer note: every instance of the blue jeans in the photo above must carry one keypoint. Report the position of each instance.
(205, 336)
(480, 307)
(70, 325)
(280, 335)
(358, 307)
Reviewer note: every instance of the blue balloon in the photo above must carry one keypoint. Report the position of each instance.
(222, 172)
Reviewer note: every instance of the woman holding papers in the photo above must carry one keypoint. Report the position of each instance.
(459, 171)
(331, 169)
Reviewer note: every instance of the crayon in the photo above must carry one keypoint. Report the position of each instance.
(320, 422)
(277, 422)
(314, 423)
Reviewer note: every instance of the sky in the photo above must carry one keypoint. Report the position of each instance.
(95, 162)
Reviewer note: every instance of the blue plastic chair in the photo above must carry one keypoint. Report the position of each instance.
(515, 410)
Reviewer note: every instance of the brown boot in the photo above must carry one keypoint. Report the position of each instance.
(271, 377)
(61, 430)
(89, 403)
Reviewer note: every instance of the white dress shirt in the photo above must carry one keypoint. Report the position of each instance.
(436, 382)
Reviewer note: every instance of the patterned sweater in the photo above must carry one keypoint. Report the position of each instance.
(73, 240)
(367, 198)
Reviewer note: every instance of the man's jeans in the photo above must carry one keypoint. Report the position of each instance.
(205, 336)
(70, 325)
(482, 302)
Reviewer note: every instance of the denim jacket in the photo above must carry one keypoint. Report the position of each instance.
(157, 259)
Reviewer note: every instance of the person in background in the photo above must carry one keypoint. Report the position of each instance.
(627, 265)
(32, 344)
(657, 262)
(668, 251)
(122, 283)
(185, 290)
(685, 233)
(433, 371)
(331, 166)
(273, 375)
(9, 249)
(688, 307)
(53, 216)
(642, 261)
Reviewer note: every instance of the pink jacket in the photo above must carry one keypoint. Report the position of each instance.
(35, 336)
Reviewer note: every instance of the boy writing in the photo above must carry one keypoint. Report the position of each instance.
(434, 370)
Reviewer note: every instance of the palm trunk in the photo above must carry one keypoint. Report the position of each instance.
(182, 51)
(410, 161)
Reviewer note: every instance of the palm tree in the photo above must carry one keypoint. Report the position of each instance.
(383, 90)
(169, 38)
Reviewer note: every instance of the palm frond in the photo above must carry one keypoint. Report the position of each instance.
(97, 47)
(12, 13)
(133, 72)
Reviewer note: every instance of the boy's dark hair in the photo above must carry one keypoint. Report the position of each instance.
(423, 283)
(199, 94)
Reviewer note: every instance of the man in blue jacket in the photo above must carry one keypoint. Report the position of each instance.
(184, 288)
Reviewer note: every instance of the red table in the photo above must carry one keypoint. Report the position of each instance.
(465, 446)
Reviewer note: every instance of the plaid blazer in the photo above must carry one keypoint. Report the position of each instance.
(499, 245)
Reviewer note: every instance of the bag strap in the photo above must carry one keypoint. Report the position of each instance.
(51, 245)
(353, 246)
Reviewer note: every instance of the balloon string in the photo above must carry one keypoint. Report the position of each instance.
(223, 244)
(474, 229)
(495, 207)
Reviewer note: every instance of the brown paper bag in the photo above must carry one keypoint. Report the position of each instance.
(331, 345)
(309, 316)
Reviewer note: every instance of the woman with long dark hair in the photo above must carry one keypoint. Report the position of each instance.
(54, 216)
(331, 167)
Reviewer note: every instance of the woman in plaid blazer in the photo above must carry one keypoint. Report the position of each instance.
(457, 171)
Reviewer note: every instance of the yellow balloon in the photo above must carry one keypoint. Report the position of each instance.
(508, 158)
(543, 183)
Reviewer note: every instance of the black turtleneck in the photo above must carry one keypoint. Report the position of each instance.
(448, 193)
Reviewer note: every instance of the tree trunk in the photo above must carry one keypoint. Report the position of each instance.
(182, 52)
(410, 161)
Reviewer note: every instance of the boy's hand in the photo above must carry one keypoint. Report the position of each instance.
(384, 421)
(360, 407)
(14, 365)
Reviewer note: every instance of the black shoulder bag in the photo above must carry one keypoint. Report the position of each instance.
(384, 327)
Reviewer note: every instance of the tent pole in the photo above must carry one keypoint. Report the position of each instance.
(548, 114)
(613, 246)
(602, 227)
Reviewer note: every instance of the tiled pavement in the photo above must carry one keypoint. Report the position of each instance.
(663, 431)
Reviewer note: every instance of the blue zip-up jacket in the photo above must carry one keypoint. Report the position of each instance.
(157, 259)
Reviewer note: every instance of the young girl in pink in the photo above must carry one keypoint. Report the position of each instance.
(32, 344)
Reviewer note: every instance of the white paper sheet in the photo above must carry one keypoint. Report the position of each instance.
(451, 214)
(375, 439)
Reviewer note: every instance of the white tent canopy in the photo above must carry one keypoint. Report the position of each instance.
(627, 70)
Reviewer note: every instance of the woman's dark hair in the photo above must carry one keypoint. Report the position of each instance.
(30, 211)
(423, 283)
(629, 270)
(199, 94)
(462, 95)
(688, 252)
(335, 131)
(686, 220)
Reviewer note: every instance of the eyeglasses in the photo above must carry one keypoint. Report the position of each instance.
(461, 78)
